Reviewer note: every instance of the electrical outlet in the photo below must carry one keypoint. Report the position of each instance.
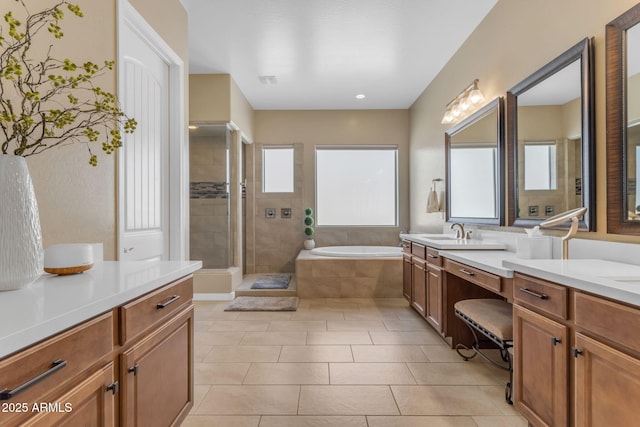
(285, 213)
(270, 213)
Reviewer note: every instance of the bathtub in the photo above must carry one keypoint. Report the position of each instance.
(350, 272)
(358, 251)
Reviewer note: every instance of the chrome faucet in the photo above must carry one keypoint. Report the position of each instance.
(460, 231)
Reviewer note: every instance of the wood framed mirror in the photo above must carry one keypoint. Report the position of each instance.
(623, 123)
(550, 140)
(474, 166)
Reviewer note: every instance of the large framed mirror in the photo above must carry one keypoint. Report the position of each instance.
(623, 123)
(550, 140)
(474, 167)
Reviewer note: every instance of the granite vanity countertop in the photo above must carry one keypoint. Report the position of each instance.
(54, 303)
(609, 279)
(448, 242)
(489, 261)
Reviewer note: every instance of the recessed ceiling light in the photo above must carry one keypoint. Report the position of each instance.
(193, 127)
(361, 96)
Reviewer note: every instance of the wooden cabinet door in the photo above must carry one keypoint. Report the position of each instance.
(407, 268)
(434, 297)
(90, 403)
(540, 368)
(605, 381)
(156, 374)
(418, 286)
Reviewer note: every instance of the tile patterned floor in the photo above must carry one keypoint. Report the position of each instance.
(338, 362)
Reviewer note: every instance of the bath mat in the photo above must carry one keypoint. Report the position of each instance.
(263, 304)
(273, 281)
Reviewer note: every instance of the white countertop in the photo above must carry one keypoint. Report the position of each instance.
(489, 261)
(54, 303)
(448, 242)
(605, 278)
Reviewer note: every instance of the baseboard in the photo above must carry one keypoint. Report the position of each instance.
(214, 297)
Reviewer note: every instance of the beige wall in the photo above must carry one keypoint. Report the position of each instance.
(217, 98)
(77, 202)
(311, 128)
(502, 51)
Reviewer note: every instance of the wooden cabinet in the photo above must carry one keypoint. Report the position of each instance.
(54, 370)
(607, 382)
(90, 403)
(418, 285)
(156, 370)
(156, 373)
(407, 271)
(434, 306)
(540, 368)
(577, 356)
(83, 377)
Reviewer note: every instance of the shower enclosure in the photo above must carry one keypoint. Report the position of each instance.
(210, 198)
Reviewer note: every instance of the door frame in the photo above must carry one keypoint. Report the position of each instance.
(178, 189)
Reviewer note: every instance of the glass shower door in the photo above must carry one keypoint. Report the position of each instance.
(209, 195)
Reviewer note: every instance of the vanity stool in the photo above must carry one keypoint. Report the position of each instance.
(494, 320)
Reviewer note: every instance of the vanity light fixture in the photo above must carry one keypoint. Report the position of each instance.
(572, 216)
(193, 127)
(433, 201)
(464, 104)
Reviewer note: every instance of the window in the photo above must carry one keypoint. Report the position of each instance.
(357, 186)
(540, 166)
(277, 169)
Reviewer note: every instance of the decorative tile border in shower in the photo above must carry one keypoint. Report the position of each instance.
(208, 190)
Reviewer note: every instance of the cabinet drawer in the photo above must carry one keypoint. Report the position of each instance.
(55, 362)
(474, 275)
(541, 295)
(154, 308)
(406, 246)
(612, 321)
(433, 257)
(418, 250)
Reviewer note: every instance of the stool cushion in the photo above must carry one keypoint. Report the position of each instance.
(492, 314)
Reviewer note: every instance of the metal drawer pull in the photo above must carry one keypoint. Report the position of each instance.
(56, 365)
(432, 256)
(467, 272)
(555, 340)
(534, 294)
(171, 301)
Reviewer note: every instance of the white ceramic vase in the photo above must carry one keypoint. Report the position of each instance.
(309, 244)
(21, 254)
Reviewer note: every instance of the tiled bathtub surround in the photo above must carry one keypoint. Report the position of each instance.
(332, 277)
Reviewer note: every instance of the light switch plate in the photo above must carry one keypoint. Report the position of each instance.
(270, 213)
(285, 213)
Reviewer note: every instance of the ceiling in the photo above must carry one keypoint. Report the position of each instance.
(324, 52)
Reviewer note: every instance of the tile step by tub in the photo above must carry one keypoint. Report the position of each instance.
(245, 288)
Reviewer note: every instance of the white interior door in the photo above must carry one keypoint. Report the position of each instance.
(144, 190)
